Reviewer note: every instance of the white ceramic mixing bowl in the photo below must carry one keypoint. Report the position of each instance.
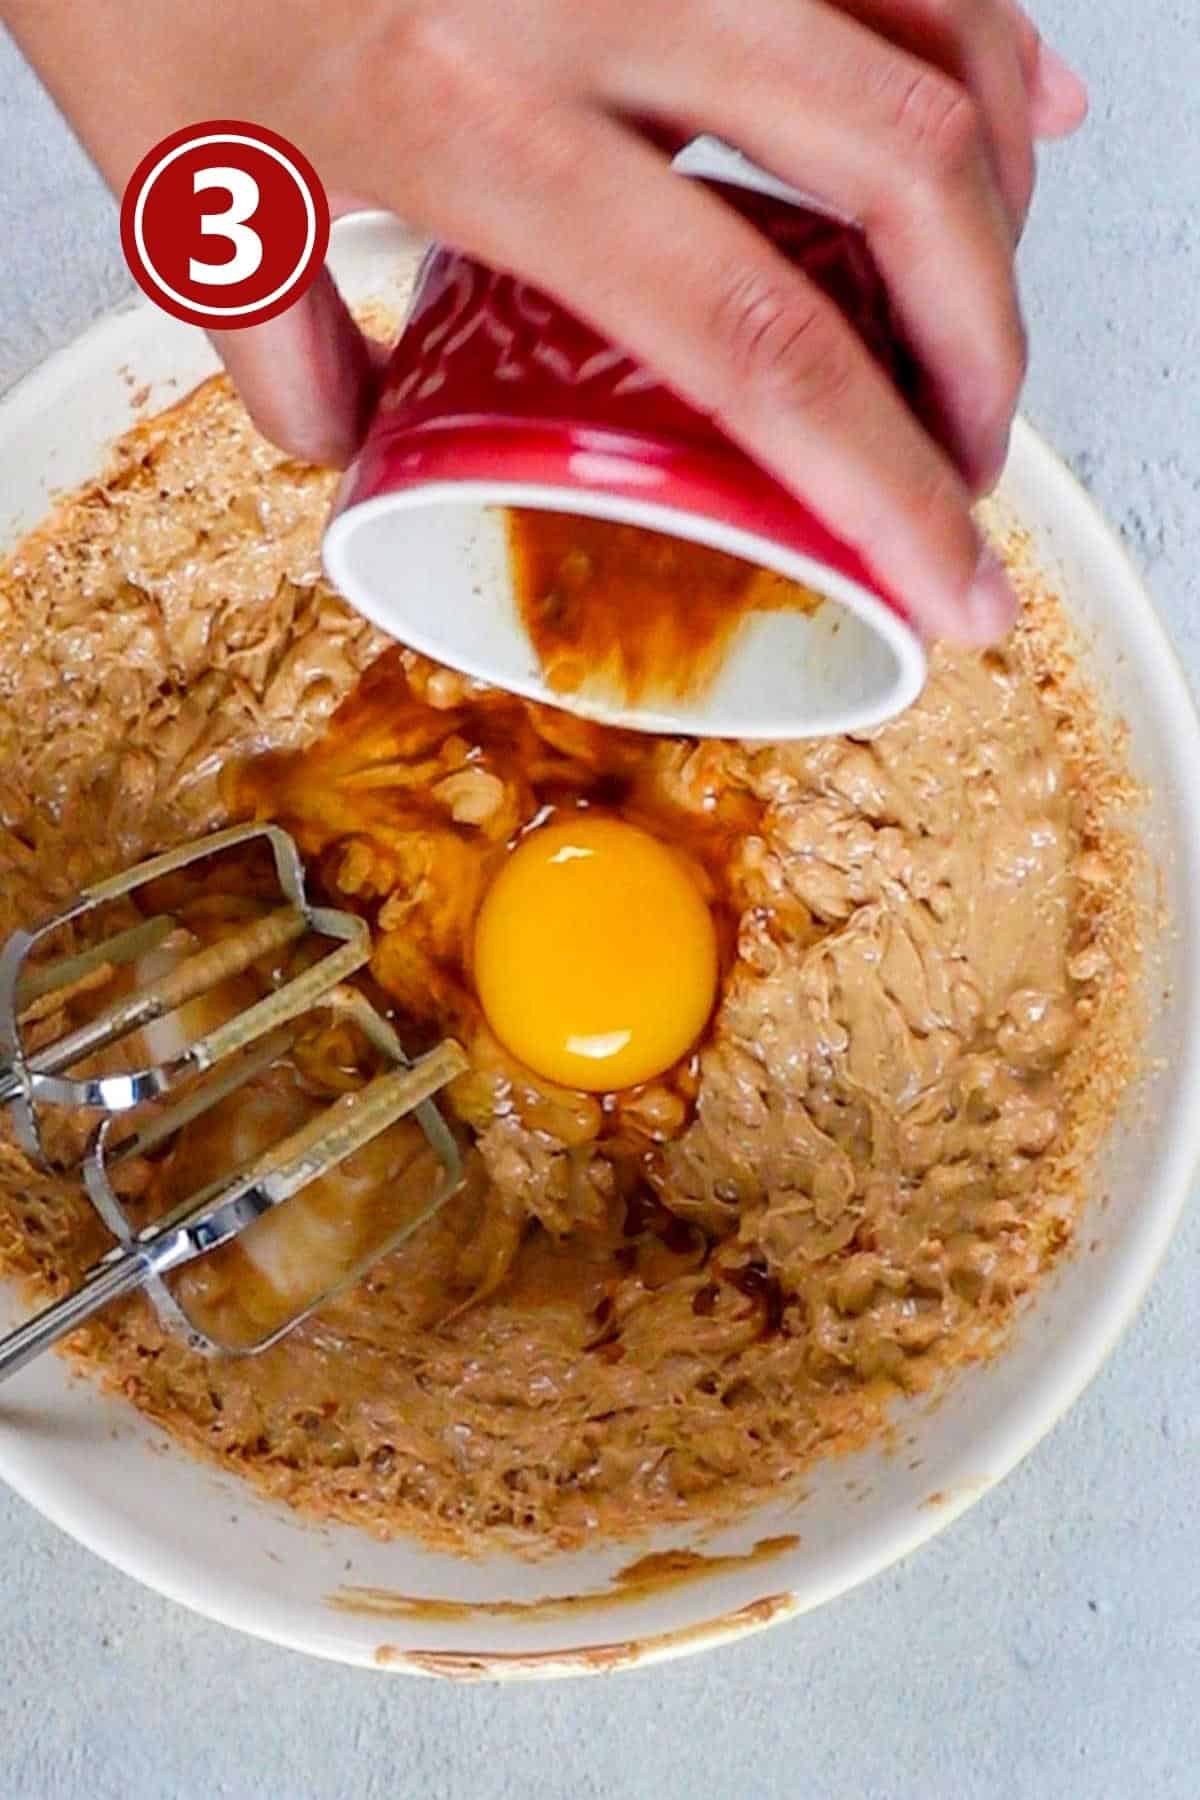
(96, 1468)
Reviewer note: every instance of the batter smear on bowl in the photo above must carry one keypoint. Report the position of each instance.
(646, 1304)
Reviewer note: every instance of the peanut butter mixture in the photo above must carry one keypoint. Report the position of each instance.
(643, 1306)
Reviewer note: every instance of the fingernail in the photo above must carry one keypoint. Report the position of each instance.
(991, 608)
(1061, 92)
(991, 469)
(341, 205)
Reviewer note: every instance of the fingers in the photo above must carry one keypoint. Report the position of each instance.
(307, 378)
(976, 42)
(746, 338)
(887, 139)
(1059, 96)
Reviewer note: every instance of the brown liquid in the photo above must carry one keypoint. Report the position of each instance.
(631, 610)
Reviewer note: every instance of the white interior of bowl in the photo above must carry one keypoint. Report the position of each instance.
(93, 1465)
(430, 565)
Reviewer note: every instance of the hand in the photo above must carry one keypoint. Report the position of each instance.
(505, 129)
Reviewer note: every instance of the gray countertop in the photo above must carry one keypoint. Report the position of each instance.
(1049, 1642)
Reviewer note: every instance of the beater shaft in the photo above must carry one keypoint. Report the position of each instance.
(209, 1220)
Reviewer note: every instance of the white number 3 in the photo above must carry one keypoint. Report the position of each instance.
(247, 245)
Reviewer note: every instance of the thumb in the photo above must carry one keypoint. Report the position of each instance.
(307, 378)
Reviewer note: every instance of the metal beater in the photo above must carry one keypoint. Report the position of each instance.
(172, 1090)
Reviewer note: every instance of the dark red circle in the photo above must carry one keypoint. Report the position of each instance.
(290, 247)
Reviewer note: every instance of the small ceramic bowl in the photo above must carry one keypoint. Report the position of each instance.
(496, 396)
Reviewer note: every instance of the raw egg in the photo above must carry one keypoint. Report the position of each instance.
(595, 954)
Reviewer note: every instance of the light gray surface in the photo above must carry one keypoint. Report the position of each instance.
(1046, 1645)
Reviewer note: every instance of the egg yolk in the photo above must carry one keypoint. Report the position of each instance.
(595, 955)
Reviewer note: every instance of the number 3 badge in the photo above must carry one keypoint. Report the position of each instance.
(224, 224)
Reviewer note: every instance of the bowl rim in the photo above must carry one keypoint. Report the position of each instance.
(908, 655)
(1018, 1430)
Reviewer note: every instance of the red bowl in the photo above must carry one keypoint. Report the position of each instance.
(496, 395)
